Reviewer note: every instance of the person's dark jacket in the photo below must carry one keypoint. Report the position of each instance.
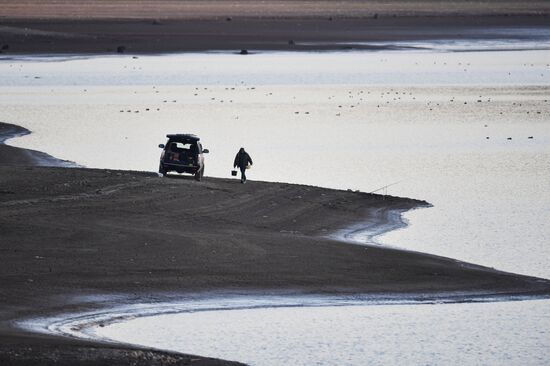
(242, 159)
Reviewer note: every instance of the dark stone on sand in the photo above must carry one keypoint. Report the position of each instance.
(243, 52)
(121, 49)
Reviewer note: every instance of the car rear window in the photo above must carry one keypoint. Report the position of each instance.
(180, 145)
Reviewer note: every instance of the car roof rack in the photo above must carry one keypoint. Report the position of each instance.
(183, 137)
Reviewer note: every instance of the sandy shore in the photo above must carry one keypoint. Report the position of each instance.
(83, 239)
(182, 26)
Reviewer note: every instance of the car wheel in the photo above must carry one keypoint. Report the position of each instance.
(161, 169)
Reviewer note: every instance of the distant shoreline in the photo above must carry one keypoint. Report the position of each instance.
(145, 36)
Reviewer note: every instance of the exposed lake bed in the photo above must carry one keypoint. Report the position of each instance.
(467, 132)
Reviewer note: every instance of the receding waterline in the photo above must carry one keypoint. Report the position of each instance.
(379, 222)
(84, 325)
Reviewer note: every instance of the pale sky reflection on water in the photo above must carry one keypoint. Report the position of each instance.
(503, 333)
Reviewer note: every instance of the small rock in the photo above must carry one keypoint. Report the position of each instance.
(243, 52)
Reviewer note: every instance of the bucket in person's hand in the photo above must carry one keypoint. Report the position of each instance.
(234, 173)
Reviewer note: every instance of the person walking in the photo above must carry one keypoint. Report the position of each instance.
(242, 160)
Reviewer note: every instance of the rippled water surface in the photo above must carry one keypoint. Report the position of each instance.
(450, 334)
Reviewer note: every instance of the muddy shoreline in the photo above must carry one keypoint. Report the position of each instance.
(348, 25)
(86, 239)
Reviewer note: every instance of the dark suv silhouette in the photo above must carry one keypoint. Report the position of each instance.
(183, 153)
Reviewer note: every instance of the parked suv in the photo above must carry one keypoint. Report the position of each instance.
(183, 153)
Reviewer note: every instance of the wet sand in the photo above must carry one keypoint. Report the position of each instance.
(183, 26)
(83, 239)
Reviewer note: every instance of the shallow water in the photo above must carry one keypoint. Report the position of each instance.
(451, 334)
(284, 68)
